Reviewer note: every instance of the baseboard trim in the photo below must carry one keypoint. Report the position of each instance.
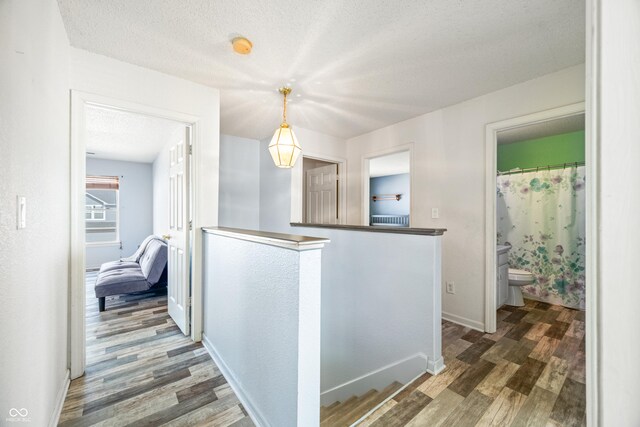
(255, 415)
(434, 367)
(60, 398)
(463, 321)
(402, 371)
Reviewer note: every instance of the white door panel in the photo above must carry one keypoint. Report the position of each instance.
(322, 195)
(178, 287)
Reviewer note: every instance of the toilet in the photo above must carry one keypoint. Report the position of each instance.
(517, 278)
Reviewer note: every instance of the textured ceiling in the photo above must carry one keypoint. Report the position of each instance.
(355, 66)
(543, 129)
(120, 135)
(392, 164)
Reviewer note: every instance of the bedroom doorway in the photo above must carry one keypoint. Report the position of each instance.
(131, 224)
(387, 188)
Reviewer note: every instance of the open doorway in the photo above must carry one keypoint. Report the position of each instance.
(137, 213)
(536, 254)
(387, 181)
(549, 144)
(132, 226)
(541, 213)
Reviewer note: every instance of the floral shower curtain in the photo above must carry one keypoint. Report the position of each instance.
(542, 216)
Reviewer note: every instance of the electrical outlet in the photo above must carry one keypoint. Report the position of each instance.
(451, 288)
(435, 213)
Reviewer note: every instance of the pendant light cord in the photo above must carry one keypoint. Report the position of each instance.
(284, 109)
(284, 91)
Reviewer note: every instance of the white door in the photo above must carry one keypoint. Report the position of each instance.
(178, 286)
(322, 195)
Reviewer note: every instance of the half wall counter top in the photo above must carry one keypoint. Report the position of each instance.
(376, 228)
(290, 241)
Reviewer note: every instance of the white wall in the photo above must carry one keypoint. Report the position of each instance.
(135, 206)
(239, 182)
(266, 338)
(449, 174)
(380, 310)
(616, 113)
(34, 148)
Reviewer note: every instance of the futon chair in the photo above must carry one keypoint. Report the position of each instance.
(142, 271)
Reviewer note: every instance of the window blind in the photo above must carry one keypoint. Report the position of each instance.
(102, 182)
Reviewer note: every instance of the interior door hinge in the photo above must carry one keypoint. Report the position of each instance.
(191, 149)
(189, 302)
(190, 225)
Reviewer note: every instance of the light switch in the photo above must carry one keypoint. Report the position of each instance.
(22, 212)
(435, 213)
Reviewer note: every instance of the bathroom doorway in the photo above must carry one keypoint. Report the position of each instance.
(536, 211)
(540, 213)
(538, 295)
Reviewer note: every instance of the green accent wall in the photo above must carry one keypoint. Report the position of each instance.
(551, 150)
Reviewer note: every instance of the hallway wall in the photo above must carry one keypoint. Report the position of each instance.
(34, 148)
(239, 182)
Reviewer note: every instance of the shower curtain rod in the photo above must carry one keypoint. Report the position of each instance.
(539, 168)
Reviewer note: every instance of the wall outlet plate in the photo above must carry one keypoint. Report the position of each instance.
(435, 213)
(451, 288)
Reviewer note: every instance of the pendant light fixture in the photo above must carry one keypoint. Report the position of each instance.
(284, 147)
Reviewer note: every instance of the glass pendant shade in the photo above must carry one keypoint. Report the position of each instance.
(284, 147)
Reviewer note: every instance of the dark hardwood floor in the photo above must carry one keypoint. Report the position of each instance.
(531, 372)
(142, 371)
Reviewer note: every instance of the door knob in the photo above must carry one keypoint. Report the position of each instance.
(166, 236)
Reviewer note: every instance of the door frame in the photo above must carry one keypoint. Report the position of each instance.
(491, 162)
(79, 101)
(365, 177)
(298, 188)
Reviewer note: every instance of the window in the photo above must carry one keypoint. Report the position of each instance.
(101, 209)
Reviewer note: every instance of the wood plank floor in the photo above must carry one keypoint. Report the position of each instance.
(142, 371)
(531, 372)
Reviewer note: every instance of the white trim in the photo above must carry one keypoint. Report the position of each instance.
(492, 130)
(401, 370)
(297, 186)
(97, 244)
(255, 414)
(79, 100)
(365, 177)
(77, 357)
(60, 398)
(463, 321)
(592, 261)
(434, 367)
